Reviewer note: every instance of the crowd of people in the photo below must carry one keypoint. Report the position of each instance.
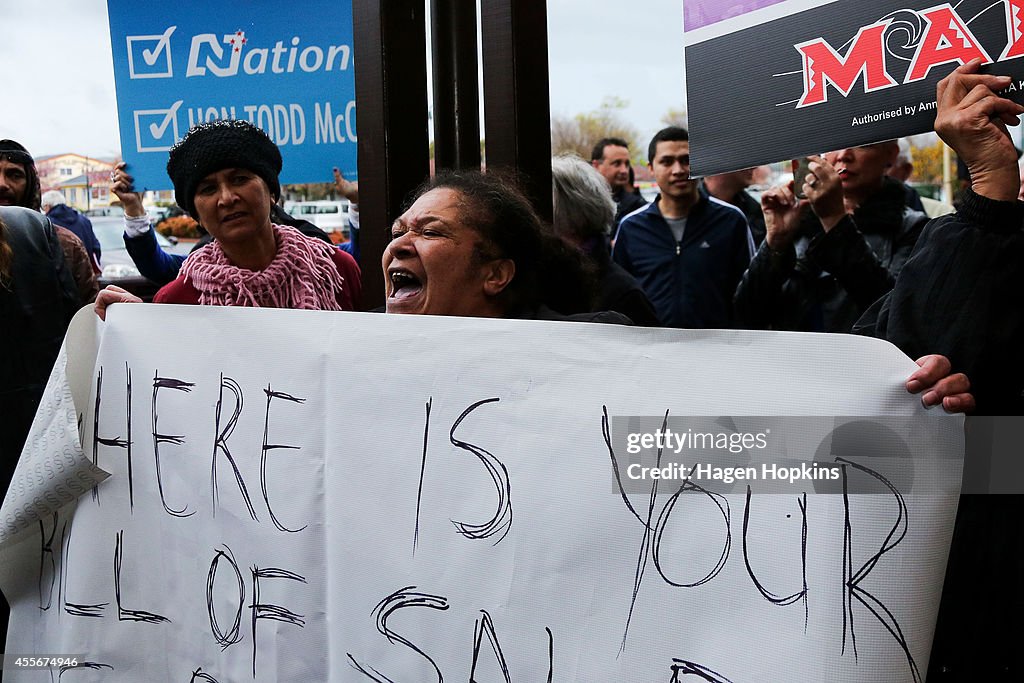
(843, 248)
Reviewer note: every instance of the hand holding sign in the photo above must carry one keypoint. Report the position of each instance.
(112, 294)
(346, 188)
(941, 386)
(972, 119)
(121, 186)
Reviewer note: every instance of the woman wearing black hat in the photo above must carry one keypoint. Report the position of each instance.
(225, 175)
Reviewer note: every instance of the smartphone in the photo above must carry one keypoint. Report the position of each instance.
(801, 167)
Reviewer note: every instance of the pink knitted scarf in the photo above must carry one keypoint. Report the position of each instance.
(302, 275)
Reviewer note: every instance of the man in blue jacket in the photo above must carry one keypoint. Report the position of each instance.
(687, 250)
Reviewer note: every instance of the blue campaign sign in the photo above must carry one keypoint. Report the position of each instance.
(286, 67)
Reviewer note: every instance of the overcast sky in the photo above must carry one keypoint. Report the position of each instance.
(59, 83)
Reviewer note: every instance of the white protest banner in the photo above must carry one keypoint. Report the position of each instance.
(54, 471)
(314, 496)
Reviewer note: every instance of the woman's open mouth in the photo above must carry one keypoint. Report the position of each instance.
(404, 284)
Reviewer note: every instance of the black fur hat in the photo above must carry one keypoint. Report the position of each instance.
(215, 145)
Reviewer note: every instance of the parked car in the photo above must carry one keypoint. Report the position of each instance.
(158, 213)
(104, 211)
(117, 266)
(328, 215)
(649, 193)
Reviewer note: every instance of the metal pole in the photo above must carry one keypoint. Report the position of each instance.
(517, 111)
(456, 93)
(391, 98)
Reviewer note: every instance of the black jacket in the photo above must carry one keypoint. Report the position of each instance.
(542, 312)
(618, 291)
(37, 302)
(751, 208)
(826, 281)
(960, 295)
(626, 203)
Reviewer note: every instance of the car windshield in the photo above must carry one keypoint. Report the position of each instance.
(109, 231)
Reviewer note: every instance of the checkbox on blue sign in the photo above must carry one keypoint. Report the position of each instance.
(150, 56)
(156, 130)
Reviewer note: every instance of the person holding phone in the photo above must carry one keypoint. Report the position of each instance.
(827, 258)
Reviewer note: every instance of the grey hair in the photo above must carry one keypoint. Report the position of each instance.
(53, 198)
(583, 204)
(906, 156)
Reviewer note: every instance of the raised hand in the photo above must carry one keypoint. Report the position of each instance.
(972, 119)
(121, 186)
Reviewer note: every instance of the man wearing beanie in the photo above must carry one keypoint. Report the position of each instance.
(225, 175)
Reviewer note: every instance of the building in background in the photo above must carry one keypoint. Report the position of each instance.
(85, 181)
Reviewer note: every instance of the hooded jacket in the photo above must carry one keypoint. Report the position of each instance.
(66, 217)
(960, 295)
